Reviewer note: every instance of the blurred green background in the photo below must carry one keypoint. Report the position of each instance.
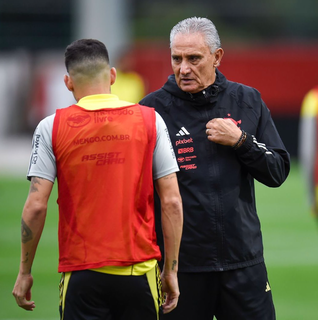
(290, 239)
(33, 35)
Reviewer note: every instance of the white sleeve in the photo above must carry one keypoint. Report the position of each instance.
(42, 160)
(164, 159)
(307, 151)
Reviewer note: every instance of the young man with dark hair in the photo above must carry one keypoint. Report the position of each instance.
(105, 154)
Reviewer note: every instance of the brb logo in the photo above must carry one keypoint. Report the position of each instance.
(78, 120)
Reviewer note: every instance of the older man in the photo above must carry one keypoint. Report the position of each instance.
(224, 138)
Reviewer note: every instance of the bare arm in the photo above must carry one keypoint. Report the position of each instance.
(32, 223)
(172, 223)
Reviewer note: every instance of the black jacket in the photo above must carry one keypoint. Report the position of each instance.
(221, 226)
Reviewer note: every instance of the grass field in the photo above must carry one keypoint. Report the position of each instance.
(290, 240)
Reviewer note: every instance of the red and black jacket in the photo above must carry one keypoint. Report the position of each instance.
(221, 226)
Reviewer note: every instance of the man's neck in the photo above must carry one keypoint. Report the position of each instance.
(89, 91)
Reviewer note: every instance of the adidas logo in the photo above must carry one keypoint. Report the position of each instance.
(183, 132)
(268, 288)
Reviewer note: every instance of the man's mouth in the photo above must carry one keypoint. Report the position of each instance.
(186, 80)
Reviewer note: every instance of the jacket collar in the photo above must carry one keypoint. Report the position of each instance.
(206, 96)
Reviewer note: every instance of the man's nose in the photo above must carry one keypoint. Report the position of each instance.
(184, 68)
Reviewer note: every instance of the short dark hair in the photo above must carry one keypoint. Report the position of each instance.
(85, 50)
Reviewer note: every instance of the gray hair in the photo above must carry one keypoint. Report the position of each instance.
(198, 25)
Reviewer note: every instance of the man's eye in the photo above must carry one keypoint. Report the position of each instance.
(194, 58)
(176, 59)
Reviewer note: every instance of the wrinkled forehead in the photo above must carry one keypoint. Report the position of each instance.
(188, 43)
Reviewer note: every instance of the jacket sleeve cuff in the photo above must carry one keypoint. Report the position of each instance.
(246, 146)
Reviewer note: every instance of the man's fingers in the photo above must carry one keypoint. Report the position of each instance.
(169, 307)
(170, 304)
(24, 304)
(29, 306)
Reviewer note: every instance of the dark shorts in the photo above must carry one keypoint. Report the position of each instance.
(93, 295)
(242, 294)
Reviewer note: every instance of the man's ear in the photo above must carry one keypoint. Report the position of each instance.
(68, 82)
(113, 75)
(218, 57)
